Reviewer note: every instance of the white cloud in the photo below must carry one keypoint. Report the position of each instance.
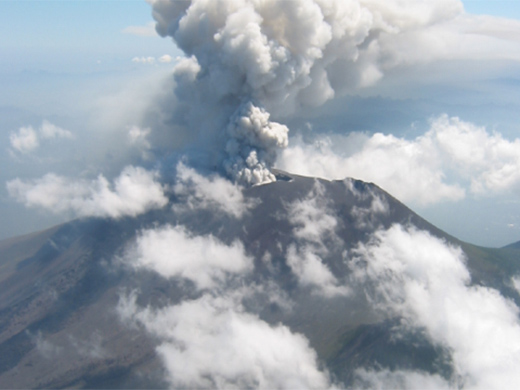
(516, 283)
(212, 192)
(48, 130)
(134, 192)
(397, 165)
(139, 138)
(425, 281)
(144, 60)
(311, 271)
(147, 30)
(211, 342)
(491, 162)
(165, 59)
(173, 252)
(366, 218)
(312, 218)
(313, 225)
(417, 170)
(138, 135)
(28, 139)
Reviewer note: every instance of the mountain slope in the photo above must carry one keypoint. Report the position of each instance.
(61, 290)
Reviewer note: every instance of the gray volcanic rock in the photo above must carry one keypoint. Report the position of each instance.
(60, 289)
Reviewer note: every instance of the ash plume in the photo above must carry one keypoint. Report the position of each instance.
(250, 59)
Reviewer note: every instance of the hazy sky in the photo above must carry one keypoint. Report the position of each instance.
(95, 69)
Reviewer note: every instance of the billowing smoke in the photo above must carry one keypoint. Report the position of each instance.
(248, 59)
(196, 191)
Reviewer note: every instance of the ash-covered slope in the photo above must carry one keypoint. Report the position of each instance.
(297, 283)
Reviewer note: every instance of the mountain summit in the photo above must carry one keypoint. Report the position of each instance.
(298, 283)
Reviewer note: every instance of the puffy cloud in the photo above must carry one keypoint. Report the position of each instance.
(134, 192)
(148, 30)
(144, 60)
(312, 218)
(423, 280)
(417, 170)
(165, 59)
(138, 135)
(214, 192)
(173, 252)
(366, 218)
(311, 271)
(516, 283)
(28, 139)
(230, 347)
(491, 162)
(314, 229)
(48, 130)
(404, 168)
(139, 138)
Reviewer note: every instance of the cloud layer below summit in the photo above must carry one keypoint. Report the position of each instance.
(453, 158)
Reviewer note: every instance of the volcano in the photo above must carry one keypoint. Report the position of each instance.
(173, 297)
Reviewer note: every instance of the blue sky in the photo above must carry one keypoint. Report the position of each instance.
(74, 36)
(504, 8)
(70, 63)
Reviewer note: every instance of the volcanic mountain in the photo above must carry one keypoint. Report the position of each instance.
(301, 282)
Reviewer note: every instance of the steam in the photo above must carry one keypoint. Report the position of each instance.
(250, 58)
